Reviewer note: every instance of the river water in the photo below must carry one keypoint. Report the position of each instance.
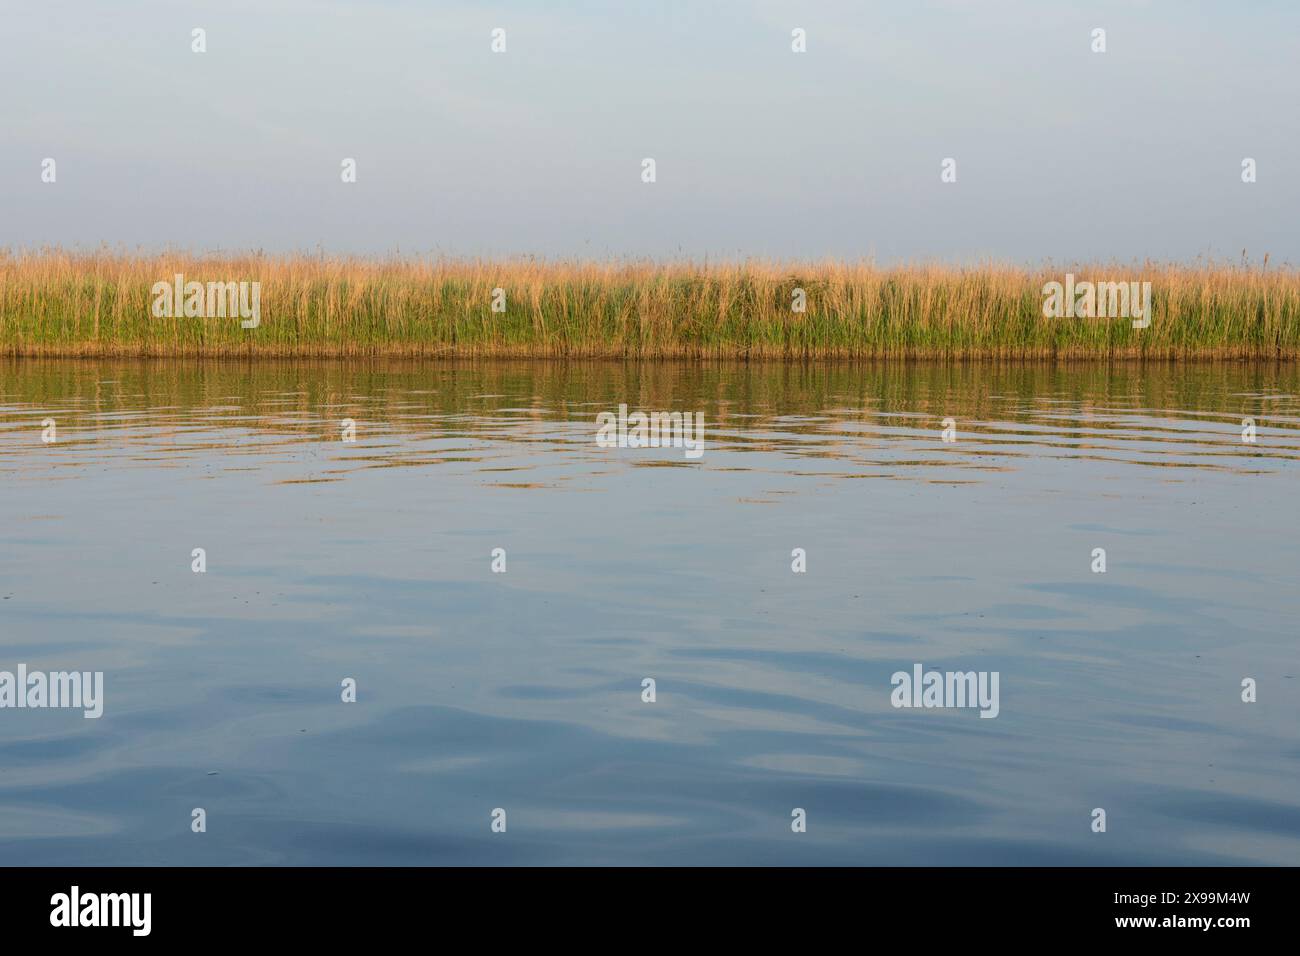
(329, 561)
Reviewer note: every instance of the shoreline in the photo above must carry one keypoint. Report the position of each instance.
(397, 353)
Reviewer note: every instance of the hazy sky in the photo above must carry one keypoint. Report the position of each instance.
(1061, 153)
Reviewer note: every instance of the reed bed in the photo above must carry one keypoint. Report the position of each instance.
(100, 304)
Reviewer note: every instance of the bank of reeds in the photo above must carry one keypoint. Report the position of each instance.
(58, 303)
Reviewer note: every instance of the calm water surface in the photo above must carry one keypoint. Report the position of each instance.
(372, 560)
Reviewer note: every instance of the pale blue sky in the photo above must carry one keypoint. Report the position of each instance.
(1061, 153)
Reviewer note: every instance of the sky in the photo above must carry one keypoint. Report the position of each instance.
(1062, 154)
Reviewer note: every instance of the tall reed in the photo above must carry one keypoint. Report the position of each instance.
(62, 303)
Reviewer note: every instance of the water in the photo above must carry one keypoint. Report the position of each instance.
(523, 690)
